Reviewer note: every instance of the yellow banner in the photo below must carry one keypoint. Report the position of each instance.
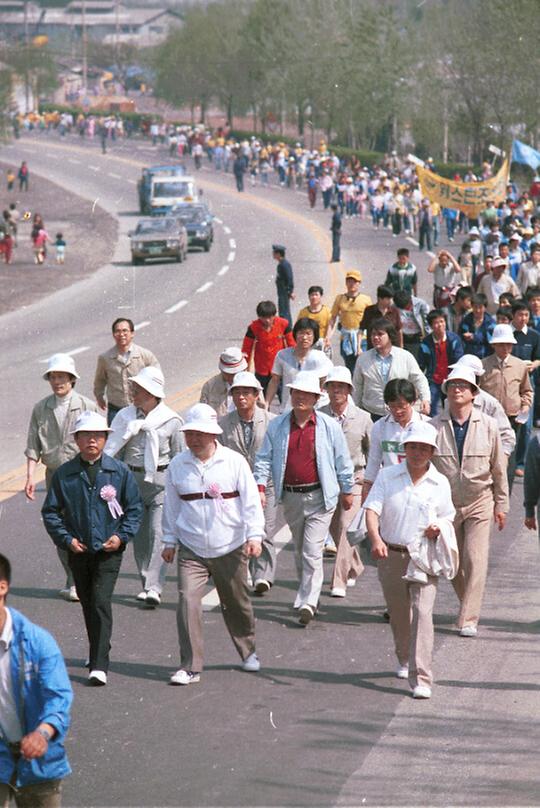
(470, 197)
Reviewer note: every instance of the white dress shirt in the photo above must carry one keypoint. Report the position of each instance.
(211, 527)
(405, 509)
(10, 725)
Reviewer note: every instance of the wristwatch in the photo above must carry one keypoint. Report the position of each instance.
(44, 733)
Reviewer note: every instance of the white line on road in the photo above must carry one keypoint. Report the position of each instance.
(205, 286)
(219, 221)
(412, 240)
(211, 600)
(73, 160)
(115, 176)
(226, 229)
(70, 353)
(223, 270)
(144, 323)
(232, 244)
(176, 307)
(132, 182)
(231, 256)
(51, 156)
(95, 168)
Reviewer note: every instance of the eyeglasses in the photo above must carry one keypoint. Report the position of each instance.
(458, 385)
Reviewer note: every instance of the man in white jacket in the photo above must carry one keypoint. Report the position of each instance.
(407, 502)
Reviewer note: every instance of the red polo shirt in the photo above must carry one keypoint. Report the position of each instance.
(301, 466)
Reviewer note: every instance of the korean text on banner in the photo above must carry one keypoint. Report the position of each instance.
(470, 197)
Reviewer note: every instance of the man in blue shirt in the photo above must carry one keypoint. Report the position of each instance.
(35, 700)
(93, 509)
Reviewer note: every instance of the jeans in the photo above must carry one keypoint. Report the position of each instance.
(437, 399)
(424, 236)
(327, 197)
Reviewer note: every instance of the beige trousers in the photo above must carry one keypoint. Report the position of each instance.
(473, 528)
(411, 616)
(229, 573)
(347, 564)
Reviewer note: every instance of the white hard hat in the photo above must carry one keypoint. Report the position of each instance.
(202, 418)
(232, 360)
(339, 373)
(421, 432)
(464, 374)
(307, 381)
(89, 421)
(470, 361)
(152, 380)
(61, 363)
(502, 333)
(245, 379)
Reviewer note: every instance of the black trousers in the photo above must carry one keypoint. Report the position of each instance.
(95, 577)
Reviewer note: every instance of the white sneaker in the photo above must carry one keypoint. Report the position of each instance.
(97, 678)
(252, 664)
(468, 631)
(351, 582)
(141, 596)
(305, 614)
(153, 598)
(73, 596)
(183, 677)
(421, 692)
(261, 586)
(403, 672)
(337, 592)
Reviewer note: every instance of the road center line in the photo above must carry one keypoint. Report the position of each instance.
(205, 286)
(132, 182)
(95, 168)
(412, 240)
(232, 244)
(226, 229)
(70, 353)
(176, 307)
(115, 176)
(223, 270)
(72, 160)
(219, 221)
(142, 325)
(231, 256)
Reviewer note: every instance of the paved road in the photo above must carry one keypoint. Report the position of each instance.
(325, 722)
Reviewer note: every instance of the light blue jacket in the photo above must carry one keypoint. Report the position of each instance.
(334, 464)
(42, 695)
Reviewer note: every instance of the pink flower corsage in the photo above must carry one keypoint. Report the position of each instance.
(214, 491)
(108, 493)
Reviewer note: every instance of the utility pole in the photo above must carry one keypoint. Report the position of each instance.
(27, 55)
(84, 50)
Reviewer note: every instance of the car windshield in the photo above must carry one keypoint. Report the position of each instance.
(194, 215)
(172, 189)
(155, 226)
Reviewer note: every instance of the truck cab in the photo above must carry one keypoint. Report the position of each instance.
(167, 191)
(144, 186)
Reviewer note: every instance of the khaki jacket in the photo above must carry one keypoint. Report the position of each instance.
(482, 474)
(233, 434)
(357, 430)
(113, 375)
(45, 441)
(215, 393)
(510, 385)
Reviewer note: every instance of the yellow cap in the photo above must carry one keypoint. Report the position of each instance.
(353, 273)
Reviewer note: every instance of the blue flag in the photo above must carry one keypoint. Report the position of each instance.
(521, 153)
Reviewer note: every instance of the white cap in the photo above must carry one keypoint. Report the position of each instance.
(339, 373)
(503, 333)
(89, 421)
(307, 381)
(474, 231)
(232, 360)
(421, 432)
(61, 363)
(470, 361)
(151, 379)
(464, 374)
(515, 237)
(245, 379)
(499, 262)
(202, 418)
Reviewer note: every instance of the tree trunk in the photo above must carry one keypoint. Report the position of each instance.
(301, 119)
(230, 111)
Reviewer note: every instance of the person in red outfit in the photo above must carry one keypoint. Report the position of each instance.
(264, 338)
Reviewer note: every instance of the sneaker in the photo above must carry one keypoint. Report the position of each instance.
(153, 598)
(403, 672)
(330, 549)
(183, 677)
(337, 592)
(141, 596)
(421, 692)
(261, 586)
(468, 631)
(252, 664)
(351, 582)
(73, 596)
(305, 614)
(97, 678)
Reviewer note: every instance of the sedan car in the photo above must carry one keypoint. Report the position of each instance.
(198, 222)
(164, 237)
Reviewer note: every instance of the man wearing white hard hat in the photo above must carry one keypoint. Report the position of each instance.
(49, 435)
(356, 425)
(306, 455)
(507, 379)
(409, 505)
(213, 516)
(244, 431)
(216, 391)
(488, 404)
(93, 509)
(146, 435)
(470, 455)
(116, 366)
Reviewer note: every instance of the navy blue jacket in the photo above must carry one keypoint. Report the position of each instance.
(75, 509)
(427, 358)
(42, 695)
